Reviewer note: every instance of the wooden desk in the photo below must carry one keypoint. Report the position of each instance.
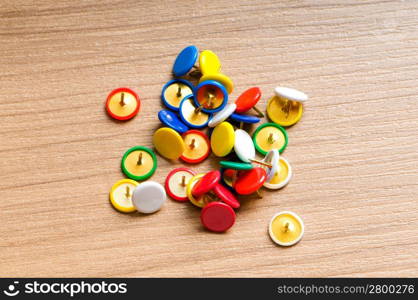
(354, 153)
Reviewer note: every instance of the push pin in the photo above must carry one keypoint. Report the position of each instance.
(198, 147)
(286, 107)
(174, 91)
(248, 100)
(176, 183)
(186, 63)
(222, 139)
(224, 80)
(279, 175)
(121, 195)
(286, 228)
(249, 182)
(202, 200)
(211, 95)
(270, 136)
(148, 197)
(243, 146)
(168, 143)
(191, 115)
(122, 104)
(139, 163)
(170, 119)
(244, 119)
(217, 216)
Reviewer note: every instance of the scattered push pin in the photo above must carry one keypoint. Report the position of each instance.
(191, 115)
(217, 217)
(226, 196)
(239, 166)
(170, 119)
(249, 182)
(243, 146)
(209, 63)
(139, 163)
(148, 197)
(206, 183)
(185, 61)
(286, 228)
(281, 176)
(271, 161)
(174, 91)
(270, 136)
(248, 100)
(176, 183)
(197, 147)
(121, 195)
(222, 115)
(286, 107)
(244, 119)
(221, 78)
(122, 104)
(222, 139)
(210, 96)
(168, 143)
(200, 201)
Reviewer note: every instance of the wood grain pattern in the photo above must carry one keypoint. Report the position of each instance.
(354, 153)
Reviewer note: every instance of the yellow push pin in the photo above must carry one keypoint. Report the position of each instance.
(121, 195)
(168, 143)
(286, 107)
(221, 78)
(286, 228)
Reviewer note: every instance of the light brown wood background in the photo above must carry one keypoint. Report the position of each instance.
(354, 153)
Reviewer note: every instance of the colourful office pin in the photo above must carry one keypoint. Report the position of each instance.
(121, 195)
(139, 163)
(286, 107)
(247, 100)
(241, 119)
(226, 196)
(203, 200)
(197, 147)
(217, 217)
(281, 177)
(168, 143)
(222, 115)
(243, 146)
(148, 197)
(269, 136)
(191, 115)
(122, 104)
(206, 183)
(170, 119)
(286, 228)
(221, 78)
(250, 181)
(176, 183)
(185, 61)
(210, 96)
(174, 91)
(209, 62)
(271, 160)
(222, 139)
(239, 166)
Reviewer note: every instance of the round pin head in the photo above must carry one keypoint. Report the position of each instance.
(235, 165)
(283, 111)
(121, 195)
(281, 177)
(217, 217)
(226, 196)
(203, 200)
(139, 163)
(197, 147)
(244, 118)
(221, 78)
(206, 183)
(168, 143)
(185, 61)
(170, 119)
(222, 115)
(122, 104)
(222, 139)
(247, 100)
(286, 228)
(272, 158)
(209, 62)
(290, 94)
(243, 146)
(148, 197)
(174, 91)
(250, 181)
(191, 115)
(176, 183)
(269, 136)
(210, 96)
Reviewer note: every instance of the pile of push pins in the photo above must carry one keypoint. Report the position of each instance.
(190, 109)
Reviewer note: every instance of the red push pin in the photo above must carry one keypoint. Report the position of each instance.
(247, 100)
(206, 184)
(122, 104)
(217, 216)
(250, 181)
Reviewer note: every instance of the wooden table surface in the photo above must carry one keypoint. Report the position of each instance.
(354, 153)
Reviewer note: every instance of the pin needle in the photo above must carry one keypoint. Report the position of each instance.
(122, 99)
(259, 112)
(128, 192)
(261, 163)
(286, 227)
(193, 144)
(271, 139)
(179, 91)
(183, 181)
(139, 162)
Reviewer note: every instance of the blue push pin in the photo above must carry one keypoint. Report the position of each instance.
(185, 61)
(241, 119)
(191, 115)
(171, 120)
(210, 96)
(174, 91)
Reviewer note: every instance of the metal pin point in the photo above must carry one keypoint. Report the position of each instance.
(271, 139)
(286, 227)
(128, 192)
(259, 112)
(183, 181)
(139, 162)
(122, 99)
(261, 163)
(178, 91)
(259, 193)
(193, 143)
